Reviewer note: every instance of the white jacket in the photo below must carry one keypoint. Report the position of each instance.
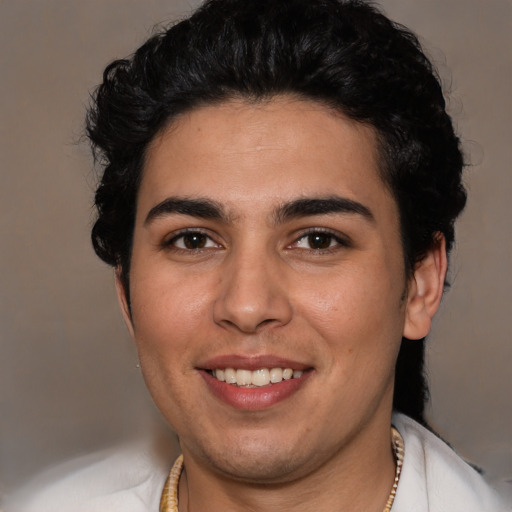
(433, 479)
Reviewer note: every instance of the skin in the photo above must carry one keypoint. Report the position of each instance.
(255, 284)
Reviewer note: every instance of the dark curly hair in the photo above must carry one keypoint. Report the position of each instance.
(343, 53)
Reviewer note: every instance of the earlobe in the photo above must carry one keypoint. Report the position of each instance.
(426, 291)
(123, 301)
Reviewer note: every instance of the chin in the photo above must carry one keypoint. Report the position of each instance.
(258, 461)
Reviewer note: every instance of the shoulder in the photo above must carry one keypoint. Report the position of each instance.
(129, 478)
(435, 479)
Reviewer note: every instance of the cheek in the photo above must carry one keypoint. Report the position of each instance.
(353, 302)
(168, 313)
(358, 320)
(170, 325)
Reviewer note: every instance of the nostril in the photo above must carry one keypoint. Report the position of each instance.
(248, 327)
(266, 322)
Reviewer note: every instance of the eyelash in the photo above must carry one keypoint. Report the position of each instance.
(340, 242)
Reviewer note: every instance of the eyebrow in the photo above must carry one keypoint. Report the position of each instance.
(200, 208)
(306, 207)
(204, 208)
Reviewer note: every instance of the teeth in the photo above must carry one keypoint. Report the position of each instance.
(276, 375)
(243, 377)
(256, 378)
(260, 377)
(229, 375)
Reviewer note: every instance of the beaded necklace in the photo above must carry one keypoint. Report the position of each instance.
(169, 499)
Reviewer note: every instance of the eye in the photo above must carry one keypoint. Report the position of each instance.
(319, 241)
(192, 241)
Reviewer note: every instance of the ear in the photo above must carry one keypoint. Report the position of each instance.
(425, 291)
(123, 302)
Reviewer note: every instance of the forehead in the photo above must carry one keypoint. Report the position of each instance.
(241, 153)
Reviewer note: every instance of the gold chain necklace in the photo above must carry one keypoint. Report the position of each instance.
(398, 450)
(169, 499)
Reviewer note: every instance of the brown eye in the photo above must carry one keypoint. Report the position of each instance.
(319, 240)
(195, 241)
(192, 241)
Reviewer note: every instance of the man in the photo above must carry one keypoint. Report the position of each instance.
(280, 187)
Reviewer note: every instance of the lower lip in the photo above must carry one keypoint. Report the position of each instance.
(254, 399)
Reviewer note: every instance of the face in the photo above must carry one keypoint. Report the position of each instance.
(267, 244)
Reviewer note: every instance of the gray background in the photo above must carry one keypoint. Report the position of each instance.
(68, 381)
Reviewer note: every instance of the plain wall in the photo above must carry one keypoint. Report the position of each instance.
(68, 377)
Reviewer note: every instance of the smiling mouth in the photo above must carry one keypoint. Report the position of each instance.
(254, 378)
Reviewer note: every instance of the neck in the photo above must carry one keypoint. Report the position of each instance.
(358, 477)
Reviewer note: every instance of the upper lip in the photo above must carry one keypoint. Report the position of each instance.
(251, 362)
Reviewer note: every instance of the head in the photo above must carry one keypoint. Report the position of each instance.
(344, 56)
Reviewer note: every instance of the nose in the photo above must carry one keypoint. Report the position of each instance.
(252, 294)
